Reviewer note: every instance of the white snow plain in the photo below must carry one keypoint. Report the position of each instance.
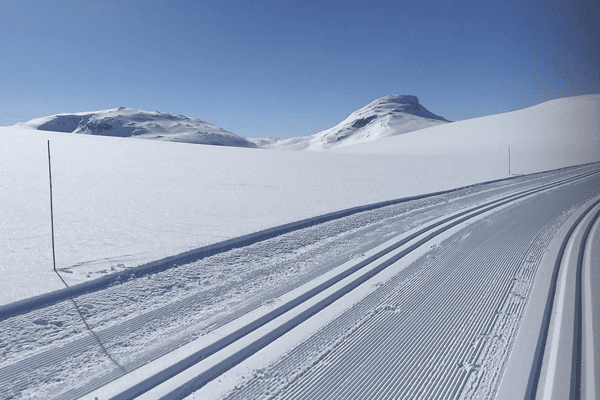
(119, 203)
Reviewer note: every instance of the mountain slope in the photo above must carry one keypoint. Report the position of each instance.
(384, 117)
(125, 122)
(550, 135)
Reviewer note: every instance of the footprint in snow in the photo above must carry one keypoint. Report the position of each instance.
(45, 322)
(270, 302)
(468, 367)
(389, 308)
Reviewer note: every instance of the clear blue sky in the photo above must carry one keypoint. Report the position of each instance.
(283, 68)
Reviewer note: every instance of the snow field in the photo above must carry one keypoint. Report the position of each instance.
(142, 319)
(121, 203)
(132, 318)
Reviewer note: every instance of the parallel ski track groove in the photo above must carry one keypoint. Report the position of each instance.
(576, 378)
(308, 389)
(428, 349)
(368, 304)
(367, 353)
(535, 375)
(401, 294)
(413, 354)
(487, 330)
(433, 347)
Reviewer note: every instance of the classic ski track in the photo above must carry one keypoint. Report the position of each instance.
(591, 316)
(371, 302)
(525, 367)
(554, 381)
(450, 221)
(586, 367)
(426, 350)
(390, 376)
(86, 343)
(55, 354)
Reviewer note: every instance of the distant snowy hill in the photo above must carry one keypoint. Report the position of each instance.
(384, 117)
(564, 129)
(126, 122)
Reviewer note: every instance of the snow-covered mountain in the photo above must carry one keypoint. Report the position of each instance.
(384, 117)
(126, 122)
(387, 116)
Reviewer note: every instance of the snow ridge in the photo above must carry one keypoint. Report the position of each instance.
(125, 122)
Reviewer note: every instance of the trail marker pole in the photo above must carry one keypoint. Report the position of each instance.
(508, 160)
(51, 209)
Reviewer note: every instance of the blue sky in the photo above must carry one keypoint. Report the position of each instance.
(278, 68)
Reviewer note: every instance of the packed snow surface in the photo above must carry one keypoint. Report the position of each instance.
(387, 116)
(120, 203)
(125, 122)
(457, 309)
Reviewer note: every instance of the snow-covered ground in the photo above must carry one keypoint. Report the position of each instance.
(119, 202)
(148, 324)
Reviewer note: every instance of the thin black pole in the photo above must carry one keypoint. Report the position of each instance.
(51, 209)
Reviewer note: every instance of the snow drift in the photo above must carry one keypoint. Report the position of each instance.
(125, 122)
